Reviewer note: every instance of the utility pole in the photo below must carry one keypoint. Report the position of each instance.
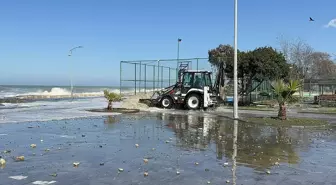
(235, 66)
(71, 84)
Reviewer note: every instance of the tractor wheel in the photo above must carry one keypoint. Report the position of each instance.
(167, 102)
(194, 102)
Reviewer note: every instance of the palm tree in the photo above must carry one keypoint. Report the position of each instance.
(111, 97)
(284, 93)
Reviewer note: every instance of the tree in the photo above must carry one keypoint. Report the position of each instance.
(322, 65)
(263, 63)
(111, 97)
(284, 93)
(298, 53)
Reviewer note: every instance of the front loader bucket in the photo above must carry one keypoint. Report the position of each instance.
(153, 101)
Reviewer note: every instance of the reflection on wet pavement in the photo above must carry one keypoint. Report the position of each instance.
(165, 149)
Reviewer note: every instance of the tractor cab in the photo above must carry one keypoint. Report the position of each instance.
(195, 79)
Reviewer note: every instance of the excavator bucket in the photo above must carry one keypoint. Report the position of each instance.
(154, 100)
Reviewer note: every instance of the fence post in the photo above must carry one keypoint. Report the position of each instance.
(135, 78)
(153, 77)
(169, 76)
(158, 77)
(161, 77)
(120, 78)
(197, 64)
(140, 78)
(145, 78)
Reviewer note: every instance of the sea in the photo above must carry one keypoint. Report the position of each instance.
(43, 103)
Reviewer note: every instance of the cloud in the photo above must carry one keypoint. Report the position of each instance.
(331, 23)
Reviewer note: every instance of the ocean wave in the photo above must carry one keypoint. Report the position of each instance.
(17, 96)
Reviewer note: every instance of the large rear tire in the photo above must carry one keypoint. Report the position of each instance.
(167, 102)
(194, 102)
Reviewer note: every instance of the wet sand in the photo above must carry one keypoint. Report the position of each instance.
(171, 143)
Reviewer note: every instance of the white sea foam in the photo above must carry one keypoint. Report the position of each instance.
(47, 110)
(58, 92)
(53, 110)
(18, 177)
(44, 182)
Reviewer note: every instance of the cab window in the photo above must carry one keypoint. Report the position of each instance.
(208, 80)
(187, 79)
(199, 80)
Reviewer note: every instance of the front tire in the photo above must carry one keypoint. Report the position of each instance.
(167, 102)
(194, 102)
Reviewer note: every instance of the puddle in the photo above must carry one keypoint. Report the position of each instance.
(161, 148)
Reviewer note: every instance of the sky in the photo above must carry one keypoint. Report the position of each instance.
(36, 35)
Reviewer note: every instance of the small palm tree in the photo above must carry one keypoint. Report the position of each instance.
(111, 97)
(284, 93)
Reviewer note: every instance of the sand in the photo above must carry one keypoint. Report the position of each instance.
(132, 102)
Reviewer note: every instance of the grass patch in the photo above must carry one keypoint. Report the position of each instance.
(257, 108)
(288, 122)
(319, 111)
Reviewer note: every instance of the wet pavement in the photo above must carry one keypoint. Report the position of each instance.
(172, 149)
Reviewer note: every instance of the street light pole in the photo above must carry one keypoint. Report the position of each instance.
(71, 83)
(235, 66)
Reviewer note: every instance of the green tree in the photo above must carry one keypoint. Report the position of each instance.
(284, 94)
(263, 63)
(111, 97)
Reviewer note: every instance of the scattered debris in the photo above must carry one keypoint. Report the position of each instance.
(101, 164)
(268, 172)
(20, 158)
(209, 182)
(167, 141)
(226, 164)
(19, 177)
(2, 161)
(177, 173)
(100, 146)
(76, 164)
(7, 151)
(196, 163)
(33, 145)
(145, 161)
(153, 149)
(47, 150)
(120, 169)
(146, 174)
(206, 169)
(83, 135)
(53, 174)
(227, 181)
(276, 163)
(137, 145)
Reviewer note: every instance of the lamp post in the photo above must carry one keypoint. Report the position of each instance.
(234, 154)
(235, 70)
(70, 54)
